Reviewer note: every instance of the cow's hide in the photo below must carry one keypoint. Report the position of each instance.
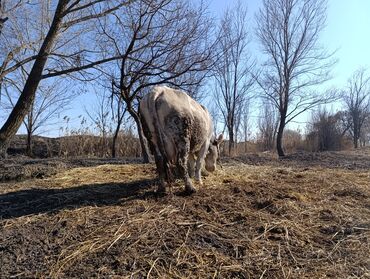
(179, 132)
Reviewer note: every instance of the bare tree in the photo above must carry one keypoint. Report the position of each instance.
(160, 42)
(357, 102)
(68, 15)
(288, 31)
(100, 115)
(51, 99)
(246, 124)
(237, 126)
(216, 117)
(365, 133)
(118, 114)
(233, 70)
(324, 131)
(267, 125)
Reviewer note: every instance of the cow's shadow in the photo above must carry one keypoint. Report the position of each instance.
(35, 201)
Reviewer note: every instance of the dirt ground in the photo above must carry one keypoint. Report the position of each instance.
(307, 216)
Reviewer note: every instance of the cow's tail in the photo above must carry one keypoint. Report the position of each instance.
(160, 140)
(146, 131)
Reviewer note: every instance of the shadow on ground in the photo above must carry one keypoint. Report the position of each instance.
(36, 201)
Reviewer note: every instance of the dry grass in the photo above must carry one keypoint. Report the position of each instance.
(245, 222)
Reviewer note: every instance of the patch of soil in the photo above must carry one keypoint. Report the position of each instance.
(106, 221)
(352, 160)
(20, 169)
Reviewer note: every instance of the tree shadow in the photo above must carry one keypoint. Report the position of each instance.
(36, 201)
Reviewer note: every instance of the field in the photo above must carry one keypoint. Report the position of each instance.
(307, 216)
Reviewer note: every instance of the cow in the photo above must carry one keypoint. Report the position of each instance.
(180, 135)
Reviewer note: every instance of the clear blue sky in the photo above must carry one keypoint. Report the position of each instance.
(347, 30)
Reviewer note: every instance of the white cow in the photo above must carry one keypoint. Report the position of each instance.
(179, 132)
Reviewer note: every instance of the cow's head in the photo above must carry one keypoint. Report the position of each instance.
(213, 153)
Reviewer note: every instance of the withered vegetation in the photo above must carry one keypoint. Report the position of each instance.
(274, 220)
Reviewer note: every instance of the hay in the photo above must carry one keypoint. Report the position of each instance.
(245, 222)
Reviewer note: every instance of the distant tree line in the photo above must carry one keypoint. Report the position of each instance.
(126, 47)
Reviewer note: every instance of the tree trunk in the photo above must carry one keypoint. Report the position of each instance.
(231, 142)
(279, 138)
(143, 144)
(356, 135)
(29, 126)
(29, 144)
(114, 140)
(355, 142)
(118, 127)
(114, 149)
(27, 97)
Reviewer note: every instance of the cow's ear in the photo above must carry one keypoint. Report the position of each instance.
(219, 139)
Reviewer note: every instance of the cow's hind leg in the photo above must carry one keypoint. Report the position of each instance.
(159, 162)
(182, 164)
(191, 164)
(198, 166)
(161, 169)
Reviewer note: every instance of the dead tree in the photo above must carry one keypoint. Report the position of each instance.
(100, 115)
(67, 14)
(246, 124)
(357, 103)
(267, 125)
(118, 114)
(365, 134)
(233, 70)
(160, 42)
(51, 99)
(324, 131)
(288, 31)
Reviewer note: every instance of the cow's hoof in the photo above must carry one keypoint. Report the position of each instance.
(199, 182)
(204, 172)
(160, 194)
(161, 190)
(190, 190)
